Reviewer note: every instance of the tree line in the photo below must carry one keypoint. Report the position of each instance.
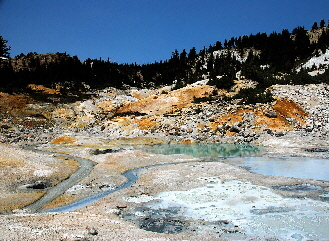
(267, 58)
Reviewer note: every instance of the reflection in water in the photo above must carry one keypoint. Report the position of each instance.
(202, 150)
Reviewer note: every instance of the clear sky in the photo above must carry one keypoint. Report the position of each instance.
(145, 31)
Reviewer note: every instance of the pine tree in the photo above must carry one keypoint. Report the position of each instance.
(218, 46)
(302, 42)
(210, 63)
(225, 44)
(4, 49)
(192, 54)
(323, 41)
(174, 58)
(182, 57)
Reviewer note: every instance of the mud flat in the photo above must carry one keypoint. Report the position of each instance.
(188, 199)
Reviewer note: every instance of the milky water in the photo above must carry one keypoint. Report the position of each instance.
(256, 210)
(299, 167)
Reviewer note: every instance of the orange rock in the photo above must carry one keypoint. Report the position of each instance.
(291, 109)
(145, 123)
(64, 140)
(43, 89)
(166, 103)
(187, 141)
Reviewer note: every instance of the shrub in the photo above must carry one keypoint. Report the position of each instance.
(253, 96)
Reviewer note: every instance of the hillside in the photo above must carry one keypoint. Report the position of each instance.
(232, 93)
(276, 58)
(174, 116)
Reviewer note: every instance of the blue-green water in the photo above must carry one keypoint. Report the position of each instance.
(206, 150)
(252, 158)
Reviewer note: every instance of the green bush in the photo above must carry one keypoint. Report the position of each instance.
(224, 82)
(253, 96)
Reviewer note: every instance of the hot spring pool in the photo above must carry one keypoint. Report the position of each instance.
(206, 150)
(244, 211)
(252, 158)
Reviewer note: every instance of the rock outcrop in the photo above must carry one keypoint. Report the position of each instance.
(170, 115)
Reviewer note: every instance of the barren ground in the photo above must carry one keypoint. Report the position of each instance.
(104, 215)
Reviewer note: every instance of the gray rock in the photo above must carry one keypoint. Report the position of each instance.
(271, 114)
(235, 129)
(37, 185)
(278, 134)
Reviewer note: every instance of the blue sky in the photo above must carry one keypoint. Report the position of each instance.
(145, 31)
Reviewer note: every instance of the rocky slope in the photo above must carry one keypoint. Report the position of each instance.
(172, 115)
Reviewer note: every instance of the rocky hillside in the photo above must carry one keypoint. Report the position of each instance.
(171, 115)
(253, 88)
